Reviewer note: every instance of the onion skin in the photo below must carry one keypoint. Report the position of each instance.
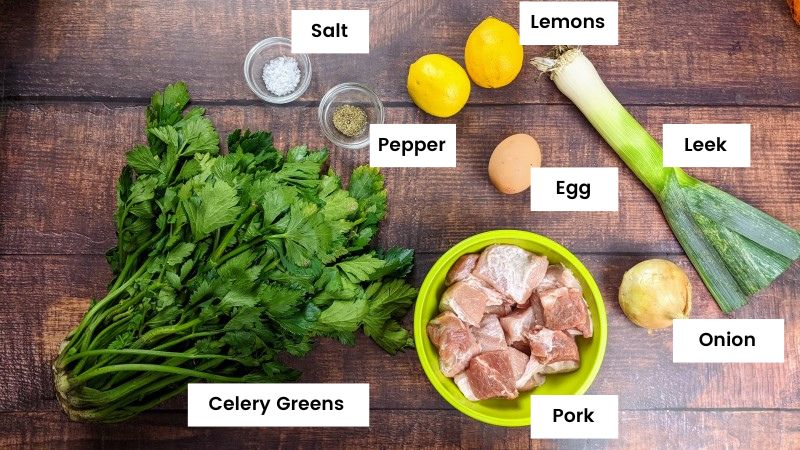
(654, 292)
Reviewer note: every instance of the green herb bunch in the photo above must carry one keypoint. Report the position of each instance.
(224, 263)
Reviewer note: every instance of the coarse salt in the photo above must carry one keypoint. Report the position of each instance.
(281, 75)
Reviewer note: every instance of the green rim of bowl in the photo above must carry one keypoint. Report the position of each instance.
(483, 410)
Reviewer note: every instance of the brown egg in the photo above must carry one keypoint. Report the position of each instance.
(511, 162)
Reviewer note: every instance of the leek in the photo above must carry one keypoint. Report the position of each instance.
(737, 249)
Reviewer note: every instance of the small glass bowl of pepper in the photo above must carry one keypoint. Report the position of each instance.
(345, 113)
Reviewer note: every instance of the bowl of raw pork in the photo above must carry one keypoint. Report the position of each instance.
(504, 315)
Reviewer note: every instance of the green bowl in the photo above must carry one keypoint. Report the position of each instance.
(510, 413)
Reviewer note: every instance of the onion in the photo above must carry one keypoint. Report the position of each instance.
(654, 292)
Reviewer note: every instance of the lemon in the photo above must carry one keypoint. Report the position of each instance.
(438, 85)
(493, 54)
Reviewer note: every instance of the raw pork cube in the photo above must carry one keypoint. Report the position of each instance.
(565, 309)
(493, 298)
(499, 310)
(518, 361)
(527, 371)
(519, 322)
(538, 314)
(466, 301)
(455, 343)
(462, 268)
(463, 384)
(490, 335)
(511, 271)
(558, 276)
(555, 350)
(490, 375)
(532, 376)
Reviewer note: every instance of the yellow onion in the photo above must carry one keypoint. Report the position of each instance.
(654, 292)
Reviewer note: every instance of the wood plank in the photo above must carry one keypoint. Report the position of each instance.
(45, 296)
(59, 162)
(409, 429)
(60, 165)
(711, 52)
(706, 429)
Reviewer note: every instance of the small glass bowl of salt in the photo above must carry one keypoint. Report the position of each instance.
(274, 73)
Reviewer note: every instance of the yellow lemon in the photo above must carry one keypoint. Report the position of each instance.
(493, 54)
(438, 85)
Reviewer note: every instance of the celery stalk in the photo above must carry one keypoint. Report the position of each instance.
(737, 249)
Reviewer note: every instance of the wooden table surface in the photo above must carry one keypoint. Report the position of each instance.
(76, 76)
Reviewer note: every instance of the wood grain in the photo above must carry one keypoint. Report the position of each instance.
(410, 429)
(47, 295)
(75, 78)
(710, 52)
(60, 165)
(389, 429)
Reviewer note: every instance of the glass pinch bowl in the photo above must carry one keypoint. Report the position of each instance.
(350, 94)
(264, 52)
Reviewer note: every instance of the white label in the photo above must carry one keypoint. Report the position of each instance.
(568, 23)
(330, 31)
(707, 145)
(727, 340)
(574, 417)
(278, 405)
(415, 145)
(574, 189)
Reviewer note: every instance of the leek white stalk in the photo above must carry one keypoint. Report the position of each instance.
(736, 248)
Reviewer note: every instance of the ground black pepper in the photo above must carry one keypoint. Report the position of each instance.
(350, 120)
